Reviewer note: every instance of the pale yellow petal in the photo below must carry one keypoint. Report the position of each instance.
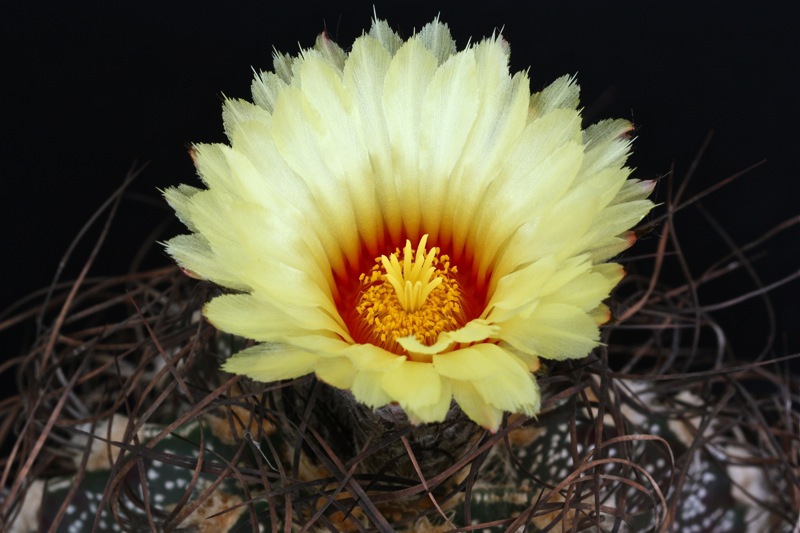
(556, 233)
(242, 169)
(407, 80)
(608, 248)
(530, 360)
(331, 51)
(502, 115)
(323, 345)
(563, 93)
(613, 272)
(567, 281)
(259, 319)
(367, 389)
(265, 89)
(336, 371)
(449, 109)
(385, 35)
(607, 145)
(586, 291)
(213, 168)
(541, 138)
(553, 331)
(434, 412)
(298, 129)
(544, 185)
(179, 199)
(271, 362)
(601, 314)
(497, 376)
(364, 74)
(568, 272)
(343, 149)
(606, 183)
(193, 253)
(242, 236)
(475, 407)
(477, 362)
(515, 392)
(283, 64)
(367, 357)
(252, 159)
(229, 172)
(617, 218)
(237, 112)
(520, 288)
(476, 330)
(569, 219)
(414, 386)
(634, 190)
(416, 348)
(435, 36)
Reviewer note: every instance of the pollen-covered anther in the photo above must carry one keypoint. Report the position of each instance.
(417, 295)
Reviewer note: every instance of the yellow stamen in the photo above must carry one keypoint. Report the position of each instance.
(418, 296)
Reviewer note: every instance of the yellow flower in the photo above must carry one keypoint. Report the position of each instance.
(407, 221)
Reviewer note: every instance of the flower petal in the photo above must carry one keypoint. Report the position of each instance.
(588, 290)
(520, 288)
(545, 186)
(449, 109)
(367, 389)
(435, 36)
(336, 371)
(607, 145)
(515, 393)
(242, 232)
(241, 237)
(383, 33)
(552, 234)
(331, 51)
(271, 362)
(418, 388)
(553, 331)
(298, 131)
(434, 412)
(253, 157)
(499, 378)
(473, 331)
(563, 93)
(478, 362)
(501, 119)
(616, 219)
(364, 74)
(367, 357)
(634, 190)
(259, 319)
(324, 345)
(343, 150)
(407, 80)
(194, 253)
(265, 89)
(475, 407)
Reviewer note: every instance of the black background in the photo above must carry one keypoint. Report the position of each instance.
(91, 88)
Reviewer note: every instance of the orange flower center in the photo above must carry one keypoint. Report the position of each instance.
(417, 295)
